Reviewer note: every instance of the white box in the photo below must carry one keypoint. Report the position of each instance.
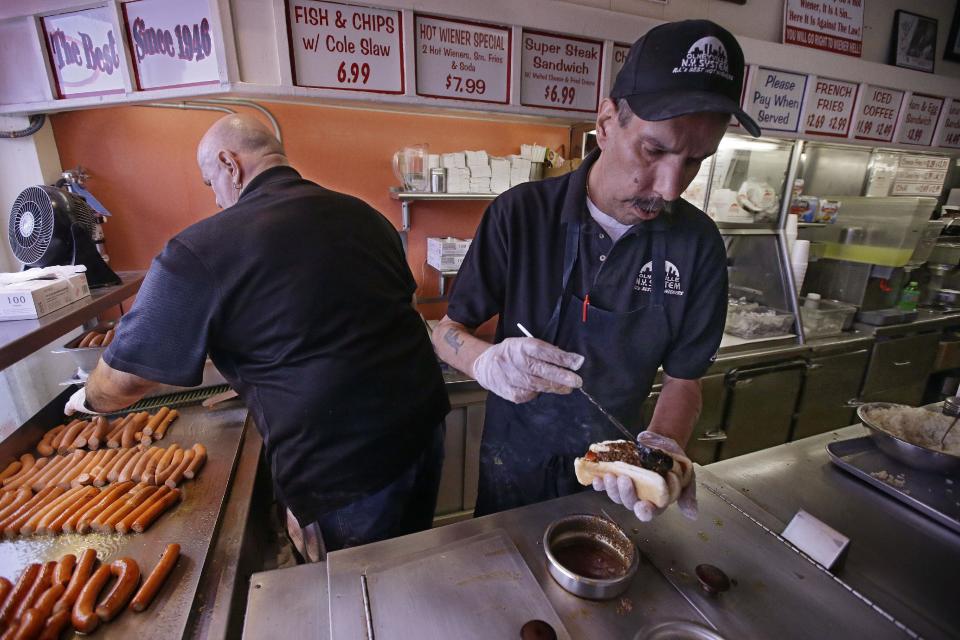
(445, 262)
(36, 298)
(447, 246)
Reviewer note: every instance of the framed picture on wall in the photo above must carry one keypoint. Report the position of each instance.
(952, 50)
(914, 41)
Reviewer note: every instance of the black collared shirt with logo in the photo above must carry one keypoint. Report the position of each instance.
(514, 268)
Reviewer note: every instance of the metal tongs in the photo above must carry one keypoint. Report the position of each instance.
(951, 407)
(652, 459)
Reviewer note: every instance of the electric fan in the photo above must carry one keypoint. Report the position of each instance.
(49, 226)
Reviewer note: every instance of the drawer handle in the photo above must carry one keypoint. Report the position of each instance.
(713, 436)
(902, 364)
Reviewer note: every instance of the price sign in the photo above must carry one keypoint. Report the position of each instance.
(877, 114)
(950, 131)
(776, 99)
(830, 107)
(171, 43)
(559, 72)
(462, 60)
(920, 120)
(920, 175)
(620, 52)
(340, 46)
(83, 53)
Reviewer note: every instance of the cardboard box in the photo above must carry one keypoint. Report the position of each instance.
(37, 298)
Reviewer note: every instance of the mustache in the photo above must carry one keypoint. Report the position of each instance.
(650, 203)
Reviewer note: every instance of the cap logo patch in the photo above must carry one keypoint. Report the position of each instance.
(706, 55)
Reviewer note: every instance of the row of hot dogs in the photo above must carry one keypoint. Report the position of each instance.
(96, 339)
(48, 597)
(99, 432)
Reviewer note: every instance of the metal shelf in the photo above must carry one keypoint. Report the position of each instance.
(20, 338)
(406, 197)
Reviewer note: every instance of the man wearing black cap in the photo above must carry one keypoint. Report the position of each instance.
(614, 274)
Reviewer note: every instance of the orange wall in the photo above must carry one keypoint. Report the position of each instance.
(142, 163)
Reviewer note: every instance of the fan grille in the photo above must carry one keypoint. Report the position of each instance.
(31, 225)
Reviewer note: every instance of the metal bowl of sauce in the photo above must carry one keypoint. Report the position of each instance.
(589, 556)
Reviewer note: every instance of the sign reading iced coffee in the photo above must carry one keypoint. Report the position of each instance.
(340, 46)
(878, 112)
(83, 53)
(776, 99)
(920, 119)
(559, 72)
(950, 131)
(462, 60)
(171, 42)
(830, 107)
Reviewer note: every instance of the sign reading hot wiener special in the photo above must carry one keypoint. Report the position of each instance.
(171, 43)
(920, 119)
(830, 107)
(83, 53)
(559, 72)
(950, 131)
(776, 99)
(462, 60)
(341, 46)
(878, 112)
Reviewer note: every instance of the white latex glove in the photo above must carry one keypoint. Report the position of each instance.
(78, 402)
(620, 489)
(518, 369)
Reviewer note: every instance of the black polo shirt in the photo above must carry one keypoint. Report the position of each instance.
(302, 297)
(515, 265)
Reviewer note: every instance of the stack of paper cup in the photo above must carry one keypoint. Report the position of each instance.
(791, 231)
(798, 260)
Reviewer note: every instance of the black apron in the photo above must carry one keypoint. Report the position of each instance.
(527, 451)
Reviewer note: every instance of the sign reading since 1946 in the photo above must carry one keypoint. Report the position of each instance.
(83, 53)
(340, 46)
(171, 42)
(776, 99)
(831, 25)
(878, 113)
(920, 119)
(830, 107)
(462, 60)
(559, 72)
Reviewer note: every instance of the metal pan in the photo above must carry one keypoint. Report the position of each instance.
(910, 454)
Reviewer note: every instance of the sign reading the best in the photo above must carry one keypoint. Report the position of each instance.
(462, 60)
(559, 72)
(950, 131)
(830, 25)
(171, 42)
(83, 53)
(776, 99)
(830, 107)
(878, 113)
(340, 46)
(920, 120)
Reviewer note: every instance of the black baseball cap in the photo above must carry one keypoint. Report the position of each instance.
(678, 68)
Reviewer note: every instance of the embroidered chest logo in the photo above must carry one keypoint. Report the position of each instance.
(706, 55)
(671, 280)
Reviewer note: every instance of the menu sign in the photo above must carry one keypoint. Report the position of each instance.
(920, 176)
(877, 114)
(171, 42)
(920, 120)
(831, 25)
(340, 46)
(620, 52)
(559, 72)
(830, 107)
(950, 131)
(776, 99)
(83, 53)
(462, 60)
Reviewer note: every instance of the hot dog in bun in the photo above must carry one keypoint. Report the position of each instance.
(658, 476)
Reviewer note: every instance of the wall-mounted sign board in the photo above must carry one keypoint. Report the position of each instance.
(84, 53)
(171, 43)
(950, 130)
(877, 113)
(347, 47)
(920, 119)
(829, 25)
(830, 107)
(920, 175)
(559, 72)
(620, 52)
(776, 99)
(462, 60)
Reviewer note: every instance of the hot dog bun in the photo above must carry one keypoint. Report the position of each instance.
(659, 489)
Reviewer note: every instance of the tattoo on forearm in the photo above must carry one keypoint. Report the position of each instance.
(454, 340)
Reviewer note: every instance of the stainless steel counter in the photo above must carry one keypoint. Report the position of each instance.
(898, 558)
(926, 321)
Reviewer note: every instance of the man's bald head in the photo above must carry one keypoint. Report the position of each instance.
(234, 151)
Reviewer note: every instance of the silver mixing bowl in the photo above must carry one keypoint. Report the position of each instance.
(595, 530)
